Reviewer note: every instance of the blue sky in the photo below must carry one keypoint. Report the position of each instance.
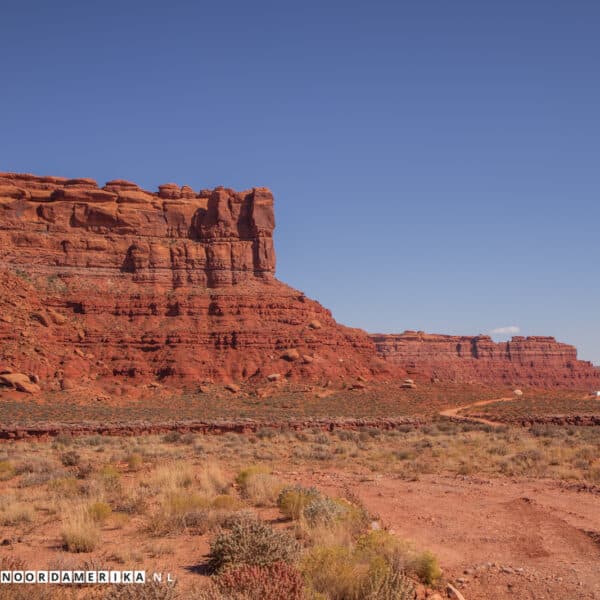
(434, 163)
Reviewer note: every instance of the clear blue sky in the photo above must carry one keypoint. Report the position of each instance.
(435, 164)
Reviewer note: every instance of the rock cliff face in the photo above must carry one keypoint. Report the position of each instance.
(532, 361)
(118, 284)
(178, 286)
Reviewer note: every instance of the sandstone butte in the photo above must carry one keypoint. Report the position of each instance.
(178, 287)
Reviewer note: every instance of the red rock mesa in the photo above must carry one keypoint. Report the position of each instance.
(532, 361)
(118, 282)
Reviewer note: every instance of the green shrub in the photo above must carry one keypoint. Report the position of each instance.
(293, 500)
(323, 511)
(388, 584)
(425, 566)
(335, 572)
(251, 542)
(245, 474)
(399, 553)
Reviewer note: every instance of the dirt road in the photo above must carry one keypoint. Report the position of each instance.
(496, 539)
(454, 412)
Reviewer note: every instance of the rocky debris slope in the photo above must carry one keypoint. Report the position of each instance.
(525, 361)
(177, 286)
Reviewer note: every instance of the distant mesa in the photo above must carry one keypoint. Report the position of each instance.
(121, 284)
(536, 361)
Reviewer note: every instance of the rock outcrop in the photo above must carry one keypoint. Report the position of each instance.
(525, 361)
(118, 282)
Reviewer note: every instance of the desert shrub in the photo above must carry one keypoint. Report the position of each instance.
(99, 511)
(170, 477)
(70, 458)
(150, 590)
(110, 478)
(132, 501)
(84, 470)
(34, 466)
(177, 512)
(135, 461)
(65, 486)
(271, 582)
(388, 583)
(93, 440)
(211, 480)
(346, 435)
(212, 592)
(258, 485)
(334, 572)
(7, 470)
(401, 555)
(172, 437)
(293, 500)
(251, 542)
(18, 591)
(374, 569)
(425, 566)
(266, 433)
(34, 479)
(245, 474)
(80, 533)
(15, 514)
(226, 502)
(323, 510)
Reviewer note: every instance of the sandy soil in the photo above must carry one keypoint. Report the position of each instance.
(495, 538)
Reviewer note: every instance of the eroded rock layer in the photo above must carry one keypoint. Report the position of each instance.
(118, 282)
(523, 361)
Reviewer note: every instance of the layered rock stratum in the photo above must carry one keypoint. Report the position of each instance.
(173, 286)
(116, 283)
(537, 361)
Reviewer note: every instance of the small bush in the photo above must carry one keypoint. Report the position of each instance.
(400, 554)
(211, 480)
(251, 542)
(135, 462)
(323, 511)
(293, 500)
(335, 572)
(225, 502)
(7, 470)
(172, 437)
(261, 488)
(70, 458)
(80, 533)
(110, 478)
(99, 511)
(177, 512)
(65, 486)
(245, 474)
(390, 583)
(425, 566)
(150, 590)
(16, 514)
(273, 582)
